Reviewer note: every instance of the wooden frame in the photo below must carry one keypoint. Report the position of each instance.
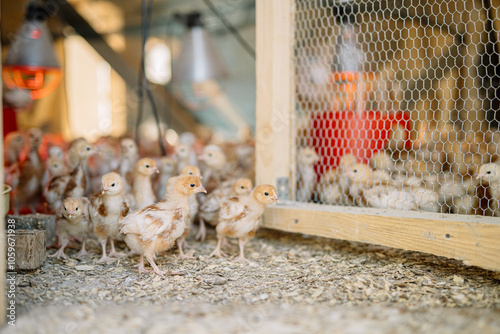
(472, 239)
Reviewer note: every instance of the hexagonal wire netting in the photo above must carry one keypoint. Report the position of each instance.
(397, 104)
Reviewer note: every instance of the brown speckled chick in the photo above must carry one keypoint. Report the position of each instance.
(73, 221)
(142, 188)
(27, 188)
(107, 208)
(239, 217)
(74, 183)
(157, 227)
(13, 145)
(209, 209)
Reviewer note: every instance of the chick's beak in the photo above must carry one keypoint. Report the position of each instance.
(202, 157)
(275, 198)
(202, 189)
(104, 190)
(70, 214)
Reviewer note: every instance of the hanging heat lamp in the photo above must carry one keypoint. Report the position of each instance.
(31, 63)
(199, 59)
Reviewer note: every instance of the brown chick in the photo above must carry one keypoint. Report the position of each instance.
(27, 188)
(239, 217)
(215, 166)
(107, 208)
(209, 210)
(74, 183)
(128, 159)
(73, 221)
(13, 145)
(157, 227)
(142, 188)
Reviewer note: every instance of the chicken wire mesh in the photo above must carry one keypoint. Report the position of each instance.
(396, 104)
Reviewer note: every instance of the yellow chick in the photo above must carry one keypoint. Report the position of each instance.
(193, 211)
(209, 210)
(142, 187)
(73, 221)
(106, 210)
(239, 217)
(157, 227)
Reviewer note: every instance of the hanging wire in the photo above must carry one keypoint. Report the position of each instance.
(143, 84)
(231, 29)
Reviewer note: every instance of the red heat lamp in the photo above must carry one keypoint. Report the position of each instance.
(31, 62)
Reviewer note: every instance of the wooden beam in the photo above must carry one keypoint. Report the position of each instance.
(471, 239)
(274, 92)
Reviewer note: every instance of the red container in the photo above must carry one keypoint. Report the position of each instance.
(335, 133)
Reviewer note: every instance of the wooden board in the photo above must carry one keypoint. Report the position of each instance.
(474, 240)
(274, 103)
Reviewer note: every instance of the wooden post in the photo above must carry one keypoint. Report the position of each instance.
(274, 102)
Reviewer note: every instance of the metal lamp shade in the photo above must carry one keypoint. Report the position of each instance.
(31, 62)
(198, 60)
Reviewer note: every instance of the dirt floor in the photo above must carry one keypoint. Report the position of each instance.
(295, 284)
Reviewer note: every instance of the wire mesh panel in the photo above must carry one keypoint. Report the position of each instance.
(397, 105)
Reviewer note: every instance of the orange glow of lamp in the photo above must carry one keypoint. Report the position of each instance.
(31, 63)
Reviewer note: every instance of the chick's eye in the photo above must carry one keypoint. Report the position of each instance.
(88, 148)
(76, 209)
(112, 184)
(190, 173)
(242, 187)
(65, 209)
(266, 194)
(147, 166)
(488, 172)
(192, 185)
(355, 171)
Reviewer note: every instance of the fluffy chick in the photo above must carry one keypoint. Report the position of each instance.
(74, 183)
(306, 159)
(239, 217)
(128, 159)
(157, 227)
(168, 169)
(209, 210)
(215, 166)
(183, 154)
(13, 145)
(73, 221)
(490, 173)
(27, 187)
(193, 211)
(142, 188)
(107, 208)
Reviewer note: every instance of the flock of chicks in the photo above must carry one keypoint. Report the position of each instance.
(443, 172)
(149, 212)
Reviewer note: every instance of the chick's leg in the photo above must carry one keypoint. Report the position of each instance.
(104, 257)
(155, 267)
(180, 242)
(141, 267)
(82, 252)
(202, 232)
(60, 252)
(217, 252)
(242, 242)
(113, 252)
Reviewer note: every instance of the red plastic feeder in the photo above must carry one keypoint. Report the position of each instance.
(335, 133)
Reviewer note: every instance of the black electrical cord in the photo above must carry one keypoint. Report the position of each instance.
(231, 29)
(143, 82)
